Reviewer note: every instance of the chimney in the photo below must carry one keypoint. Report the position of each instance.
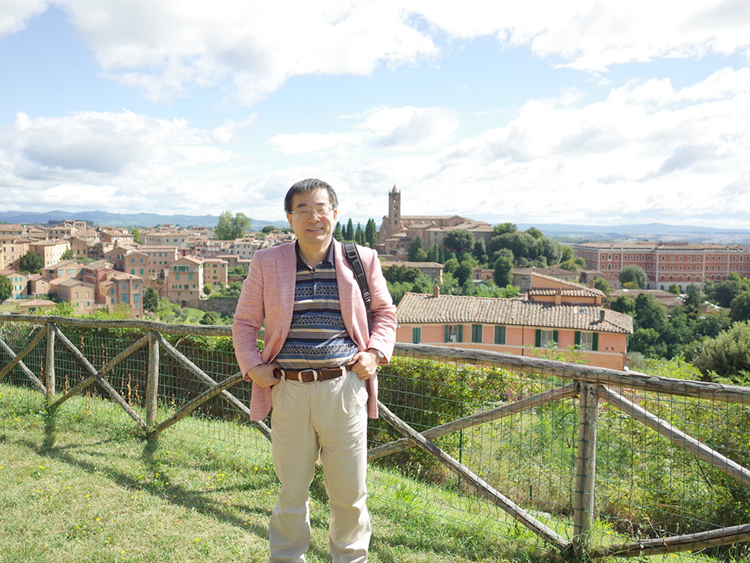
(591, 283)
(558, 296)
(436, 291)
(602, 312)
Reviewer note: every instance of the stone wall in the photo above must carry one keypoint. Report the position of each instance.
(221, 306)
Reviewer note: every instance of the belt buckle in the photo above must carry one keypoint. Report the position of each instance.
(314, 371)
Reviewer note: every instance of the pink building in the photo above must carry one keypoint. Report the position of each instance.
(123, 288)
(667, 263)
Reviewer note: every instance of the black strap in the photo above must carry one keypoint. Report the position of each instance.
(355, 263)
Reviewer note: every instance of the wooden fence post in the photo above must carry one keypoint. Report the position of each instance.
(152, 384)
(583, 503)
(49, 371)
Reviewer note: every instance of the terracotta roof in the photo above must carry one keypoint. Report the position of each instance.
(413, 264)
(418, 308)
(571, 292)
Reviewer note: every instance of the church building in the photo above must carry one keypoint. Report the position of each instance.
(397, 231)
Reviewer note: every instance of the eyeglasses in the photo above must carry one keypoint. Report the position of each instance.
(305, 212)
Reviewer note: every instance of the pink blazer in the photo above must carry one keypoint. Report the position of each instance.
(268, 293)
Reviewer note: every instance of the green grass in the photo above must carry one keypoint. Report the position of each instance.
(84, 486)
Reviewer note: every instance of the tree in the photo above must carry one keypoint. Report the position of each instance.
(674, 288)
(551, 250)
(150, 300)
(503, 228)
(463, 272)
(231, 227)
(210, 318)
(623, 304)
(268, 229)
(208, 288)
(68, 254)
(567, 253)
(349, 231)
(650, 313)
(726, 291)
(6, 288)
(434, 254)
(459, 240)
(337, 233)
(521, 244)
(692, 301)
(371, 233)
(644, 341)
(741, 307)
(31, 262)
(137, 235)
(359, 235)
(480, 251)
(503, 271)
(635, 274)
(727, 354)
(415, 248)
(574, 264)
(602, 285)
(534, 232)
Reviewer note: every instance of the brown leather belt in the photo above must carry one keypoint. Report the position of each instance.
(310, 375)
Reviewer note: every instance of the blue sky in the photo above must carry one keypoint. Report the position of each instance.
(577, 112)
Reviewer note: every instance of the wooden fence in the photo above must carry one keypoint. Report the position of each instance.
(592, 386)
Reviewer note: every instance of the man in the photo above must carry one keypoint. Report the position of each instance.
(317, 369)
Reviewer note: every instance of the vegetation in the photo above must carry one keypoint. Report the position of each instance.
(633, 277)
(31, 262)
(6, 288)
(150, 300)
(67, 255)
(727, 356)
(231, 227)
(85, 487)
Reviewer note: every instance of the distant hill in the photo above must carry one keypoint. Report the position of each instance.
(124, 219)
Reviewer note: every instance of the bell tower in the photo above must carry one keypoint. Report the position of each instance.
(394, 210)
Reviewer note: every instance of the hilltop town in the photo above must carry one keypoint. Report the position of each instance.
(541, 294)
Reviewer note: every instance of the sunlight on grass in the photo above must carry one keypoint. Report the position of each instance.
(82, 485)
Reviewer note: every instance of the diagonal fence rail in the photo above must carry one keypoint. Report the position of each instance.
(496, 388)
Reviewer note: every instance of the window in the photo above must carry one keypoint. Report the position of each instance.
(416, 335)
(500, 334)
(545, 338)
(454, 333)
(476, 333)
(587, 340)
(124, 297)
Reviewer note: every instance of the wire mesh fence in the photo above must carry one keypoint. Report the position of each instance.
(579, 460)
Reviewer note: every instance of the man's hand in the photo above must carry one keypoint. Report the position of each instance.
(365, 364)
(262, 375)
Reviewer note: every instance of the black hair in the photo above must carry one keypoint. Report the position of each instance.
(308, 185)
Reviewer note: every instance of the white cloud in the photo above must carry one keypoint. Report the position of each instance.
(15, 13)
(116, 160)
(402, 129)
(604, 162)
(165, 48)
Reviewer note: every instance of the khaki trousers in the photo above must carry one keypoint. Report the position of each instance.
(330, 418)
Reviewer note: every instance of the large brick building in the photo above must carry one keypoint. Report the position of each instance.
(666, 263)
(397, 231)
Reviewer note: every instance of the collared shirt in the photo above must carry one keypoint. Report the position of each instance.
(317, 336)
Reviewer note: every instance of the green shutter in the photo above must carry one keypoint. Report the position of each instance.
(595, 342)
(446, 333)
(538, 337)
(578, 338)
(460, 333)
(499, 335)
(554, 337)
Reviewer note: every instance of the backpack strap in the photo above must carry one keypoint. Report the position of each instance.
(355, 263)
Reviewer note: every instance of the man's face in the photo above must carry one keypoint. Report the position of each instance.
(313, 230)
